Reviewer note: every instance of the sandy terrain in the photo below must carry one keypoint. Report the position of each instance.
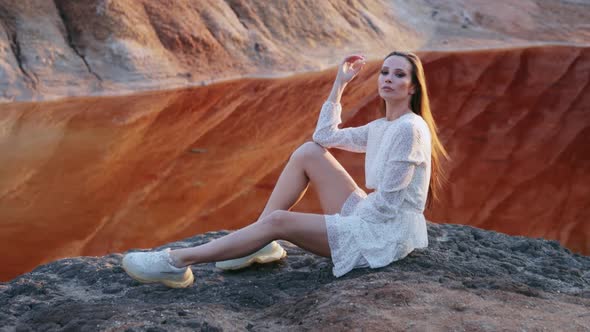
(98, 152)
(94, 175)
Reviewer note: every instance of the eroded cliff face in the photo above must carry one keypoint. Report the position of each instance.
(59, 48)
(94, 175)
(52, 49)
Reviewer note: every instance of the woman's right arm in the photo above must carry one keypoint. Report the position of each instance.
(327, 133)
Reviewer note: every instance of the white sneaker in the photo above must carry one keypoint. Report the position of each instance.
(149, 267)
(270, 253)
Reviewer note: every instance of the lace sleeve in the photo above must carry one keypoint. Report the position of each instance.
(328, 135)
(405, 154)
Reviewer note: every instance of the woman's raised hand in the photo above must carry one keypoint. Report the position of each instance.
(349, 67)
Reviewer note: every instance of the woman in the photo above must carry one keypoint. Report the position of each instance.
(357, 230)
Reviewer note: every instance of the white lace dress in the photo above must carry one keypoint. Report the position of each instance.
(386, 225)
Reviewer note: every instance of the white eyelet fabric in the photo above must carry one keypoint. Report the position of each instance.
(386, 225)
(353, 199)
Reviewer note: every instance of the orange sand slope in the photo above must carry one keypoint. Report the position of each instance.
(88, 176)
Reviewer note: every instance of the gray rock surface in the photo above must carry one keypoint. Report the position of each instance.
(467, 279)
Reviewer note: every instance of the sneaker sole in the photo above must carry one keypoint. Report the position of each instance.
(262, 259)
(187, 281)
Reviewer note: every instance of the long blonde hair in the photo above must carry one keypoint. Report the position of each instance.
(420, 104)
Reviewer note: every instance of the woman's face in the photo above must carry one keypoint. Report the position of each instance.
(395, 78)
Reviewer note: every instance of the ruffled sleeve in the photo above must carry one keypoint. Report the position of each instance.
(328, 135)
(405, 154)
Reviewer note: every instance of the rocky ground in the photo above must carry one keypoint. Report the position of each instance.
(468, 279)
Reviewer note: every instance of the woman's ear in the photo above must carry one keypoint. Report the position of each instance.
(412, 89)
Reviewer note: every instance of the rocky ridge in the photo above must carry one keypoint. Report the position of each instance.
(467, 279)
(54, 49)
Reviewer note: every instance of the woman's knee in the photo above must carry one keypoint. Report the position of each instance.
(307, 151)
(276, 221)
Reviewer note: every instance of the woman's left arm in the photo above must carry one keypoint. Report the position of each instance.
(405, 154)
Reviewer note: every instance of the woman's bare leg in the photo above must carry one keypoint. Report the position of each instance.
(290, 187)
(237, 244)
(306, 230)
(309, 162)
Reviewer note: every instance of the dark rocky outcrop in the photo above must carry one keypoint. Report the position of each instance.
(467, 279)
